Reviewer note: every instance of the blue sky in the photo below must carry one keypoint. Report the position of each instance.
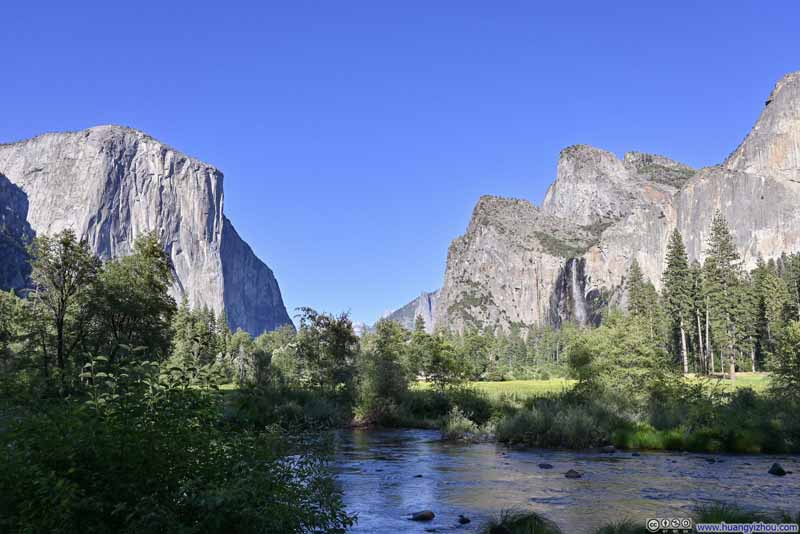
(356, 137)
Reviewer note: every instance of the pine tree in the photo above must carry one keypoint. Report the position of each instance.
(721, 272)
(677, 285)
(223, 334)
(791, 276)
(644, 302)
(771, 300)
(635, 286)
(746, 320)
(182, 332)
(698, 311)
(419, 324)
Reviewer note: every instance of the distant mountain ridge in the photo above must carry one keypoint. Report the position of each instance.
(523, 265)
(111, 184)
(423, 306)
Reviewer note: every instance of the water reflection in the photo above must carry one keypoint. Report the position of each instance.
(386, 475)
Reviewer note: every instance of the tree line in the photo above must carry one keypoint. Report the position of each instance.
(716, 317)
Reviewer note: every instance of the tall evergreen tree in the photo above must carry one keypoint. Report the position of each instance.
(721, 273)
(791, 275)
(698, 312)
(419, 324)
(182, 332)
(771, 300)
(635, 286)
(677, 285)
(644, 302)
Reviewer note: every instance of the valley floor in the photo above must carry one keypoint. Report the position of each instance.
(534, 388)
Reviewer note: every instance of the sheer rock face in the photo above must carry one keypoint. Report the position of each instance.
(111, 184)
(15, 235)
(502, 271)
(521, 265)
(772, 148)
(423, 306)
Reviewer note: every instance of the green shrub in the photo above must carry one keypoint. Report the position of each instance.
(704, 440)
(519, 522)
(473, 403)
(456, 426)
(320, 412)
(719, 512)
(523, 427)
(148, 452)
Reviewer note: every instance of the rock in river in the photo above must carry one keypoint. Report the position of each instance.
(776, 470)
(424, 515)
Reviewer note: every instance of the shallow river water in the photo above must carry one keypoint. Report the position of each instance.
(379, 472)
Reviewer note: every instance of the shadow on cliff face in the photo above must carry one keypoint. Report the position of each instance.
(252, 297)
(15, 236)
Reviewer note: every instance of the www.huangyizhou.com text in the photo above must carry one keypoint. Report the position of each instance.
(685, 525)
(747, 528)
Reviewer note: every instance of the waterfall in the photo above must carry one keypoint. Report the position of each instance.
(578, 298)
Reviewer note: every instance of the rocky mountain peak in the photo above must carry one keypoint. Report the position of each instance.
(773, 145)
(591, 185)
(519, 266)
(111, 184)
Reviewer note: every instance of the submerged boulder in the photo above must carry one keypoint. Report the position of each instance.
(776, 470)
(572, 474)
(424, 515)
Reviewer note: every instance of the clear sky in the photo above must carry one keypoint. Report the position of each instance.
(356, 137)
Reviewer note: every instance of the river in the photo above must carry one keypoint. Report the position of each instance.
(386, 475)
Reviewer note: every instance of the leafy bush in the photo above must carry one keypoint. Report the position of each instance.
(289, 408)
(456, 426)
(519, 522)
(522, 427)
(146, 452)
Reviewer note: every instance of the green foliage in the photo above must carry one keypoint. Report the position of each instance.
(785, 363)
(562, 247)
(457, 426)
(145, 451)
(326, 348)
(678, 299)
(644, 302)
(721, 278)
(131, 305)
(567, 420)
(442, 365)
(638, 304)
(519, 522)
(620, 357)
(771, 300)
(384, 377)
(64, 272)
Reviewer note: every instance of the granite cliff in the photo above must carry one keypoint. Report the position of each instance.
(15, 236)
(110, 184)
(519, 264)
(423, 306)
